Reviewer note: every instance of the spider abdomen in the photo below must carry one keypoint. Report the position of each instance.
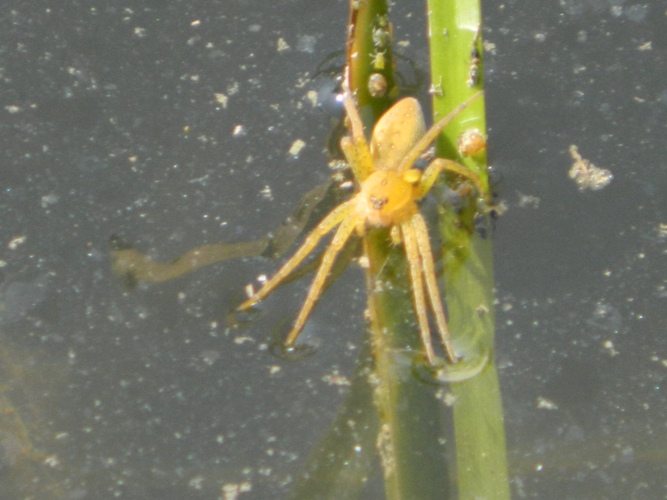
(386, 198)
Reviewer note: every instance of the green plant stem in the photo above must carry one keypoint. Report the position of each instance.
(454, 27)
(410, 434)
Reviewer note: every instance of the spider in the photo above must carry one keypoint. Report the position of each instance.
(388, 189)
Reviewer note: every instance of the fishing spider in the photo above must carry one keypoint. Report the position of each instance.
(387, 195)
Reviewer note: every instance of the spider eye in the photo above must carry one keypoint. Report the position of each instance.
(378, 203)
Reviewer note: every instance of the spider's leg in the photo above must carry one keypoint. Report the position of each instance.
(424, 246)
(347, 226)
(355, 148)
(335, 217)
(432, 134)
(434, 168)
(415, 266)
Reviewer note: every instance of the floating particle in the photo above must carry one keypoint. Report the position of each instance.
(296, 148)
(545, 404)
(221, 99)
(16, 242)
(266, 193)
(586, 175)
(306, 43)
(282, 45)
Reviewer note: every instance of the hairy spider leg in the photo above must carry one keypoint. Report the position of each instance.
(432, 134)
(434, 169)
(336, 216)
(415, 269)
(355, 148)
(418, 224)
(347, 226)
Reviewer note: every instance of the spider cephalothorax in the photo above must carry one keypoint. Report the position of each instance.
(388, 189)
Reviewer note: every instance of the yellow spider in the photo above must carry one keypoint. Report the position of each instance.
(388, 190)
